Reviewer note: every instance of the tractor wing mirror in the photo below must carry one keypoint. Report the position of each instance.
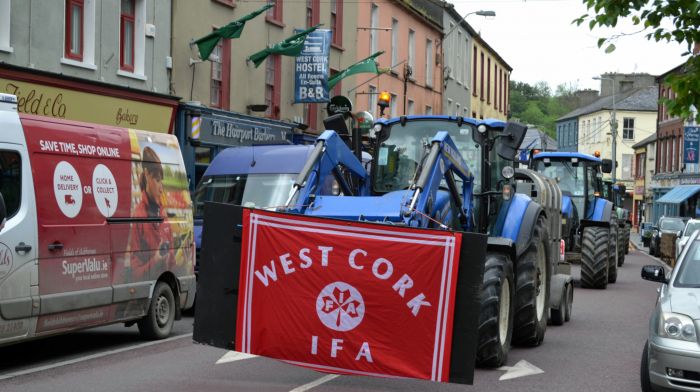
(607, 165)
(337, 123)
(510, 140)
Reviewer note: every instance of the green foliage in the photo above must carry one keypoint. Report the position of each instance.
(663, 20)
(537, 105)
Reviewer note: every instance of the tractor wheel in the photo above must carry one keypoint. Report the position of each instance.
(614, 253)
(626, 244)
(621, 245)
(532, 290)
(594, 257)
(496, 316)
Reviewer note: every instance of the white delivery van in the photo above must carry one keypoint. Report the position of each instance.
(97, 227)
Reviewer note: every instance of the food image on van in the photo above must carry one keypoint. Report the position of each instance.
(99, 227)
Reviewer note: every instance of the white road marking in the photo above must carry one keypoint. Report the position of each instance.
(316, 383)
(232, 356)
(521, 369)
(89, 357)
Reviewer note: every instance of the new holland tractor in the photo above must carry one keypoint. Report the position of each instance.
(615, 193)
(590, 225)
(454, 173)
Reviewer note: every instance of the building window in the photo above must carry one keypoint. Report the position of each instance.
(428, 110)
(456, 68)
(337, 21)
(274, 14)
(474, 61)
(5, 26)
(272, 86)
(627, 166)
(374, 24)
(392, 105)
(628, 128)
(220, 59)
(394, 42)
(372, 98)
(458, 109)
(495, 86)
(410, 107)
(488, 81)
(74, 29)
(481, 89)
(640, 165)
(429, 63)
(412, 49)
(449, 107)
(127, 31)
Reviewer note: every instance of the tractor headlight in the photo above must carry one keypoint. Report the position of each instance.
(677, 326)
(507, 172)
(481, 128)
(375, 130)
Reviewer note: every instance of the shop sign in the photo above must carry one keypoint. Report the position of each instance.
(690, 180)
(691, 138)
(42, 100)
(241, 132)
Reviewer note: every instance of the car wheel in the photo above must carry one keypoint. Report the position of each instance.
(158, 322)
(644, 370)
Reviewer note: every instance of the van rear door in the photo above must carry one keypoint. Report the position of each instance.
(18, 239)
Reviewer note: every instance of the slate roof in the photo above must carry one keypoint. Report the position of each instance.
(645, 141)
(643, 99)
(536, 139)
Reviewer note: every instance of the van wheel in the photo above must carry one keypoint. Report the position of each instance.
(644, 370)
(158, 322)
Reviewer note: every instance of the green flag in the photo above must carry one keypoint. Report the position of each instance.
(368, 65)
(291, 46)
(234, 29)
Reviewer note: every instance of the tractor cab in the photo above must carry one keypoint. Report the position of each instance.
(487, 147)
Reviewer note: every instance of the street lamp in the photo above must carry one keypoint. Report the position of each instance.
(613, 127)
(480, 13)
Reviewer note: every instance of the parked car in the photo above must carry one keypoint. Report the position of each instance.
(667, 226)
(645, 230)
(690, 227)
(671, 356)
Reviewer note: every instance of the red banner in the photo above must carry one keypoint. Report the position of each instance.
(347, 297)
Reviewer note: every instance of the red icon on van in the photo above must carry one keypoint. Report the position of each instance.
(69, 199)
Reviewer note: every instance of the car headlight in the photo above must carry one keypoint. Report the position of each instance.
(677, 326)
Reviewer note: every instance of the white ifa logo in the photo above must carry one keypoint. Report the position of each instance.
(340, 306)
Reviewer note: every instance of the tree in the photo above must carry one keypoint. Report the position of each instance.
(654, 16)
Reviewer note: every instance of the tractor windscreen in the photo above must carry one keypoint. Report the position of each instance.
(249, 190)
(571, 179)
(398, 157)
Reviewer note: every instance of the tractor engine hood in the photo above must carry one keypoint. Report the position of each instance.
(370, 208)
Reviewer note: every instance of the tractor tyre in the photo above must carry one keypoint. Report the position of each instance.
(594, 257)
(614, 253)
(621, 245)
(532, 290)
(496, 316)
(626, 243)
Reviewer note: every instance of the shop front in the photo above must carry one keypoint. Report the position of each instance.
(204, 132)
(46, 94)
(638, 205)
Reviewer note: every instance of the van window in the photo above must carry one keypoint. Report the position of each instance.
(11, 180)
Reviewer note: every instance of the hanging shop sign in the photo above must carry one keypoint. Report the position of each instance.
(311, 68)
(691, 138)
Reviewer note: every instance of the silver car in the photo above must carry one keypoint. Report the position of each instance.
(690, 227)
(671, 357)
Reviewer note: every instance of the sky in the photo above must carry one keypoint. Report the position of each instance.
(537, 39)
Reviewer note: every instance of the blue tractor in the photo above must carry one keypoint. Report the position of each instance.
(456, 173)
(590, 224)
